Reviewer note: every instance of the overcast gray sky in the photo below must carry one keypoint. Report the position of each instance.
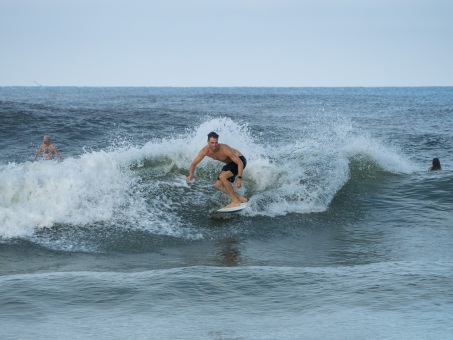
(226, 43)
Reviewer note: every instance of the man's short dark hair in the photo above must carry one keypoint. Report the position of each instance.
(213, 135)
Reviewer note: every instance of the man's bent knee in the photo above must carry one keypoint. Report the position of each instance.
(225, 175)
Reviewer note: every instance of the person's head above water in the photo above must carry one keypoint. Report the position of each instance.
(436, 164)
(46, 140)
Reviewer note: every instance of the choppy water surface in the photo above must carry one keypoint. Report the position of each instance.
(347, 234)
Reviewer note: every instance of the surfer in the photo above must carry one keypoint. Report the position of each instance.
(235, 164)
(47, 149)
(436, 165)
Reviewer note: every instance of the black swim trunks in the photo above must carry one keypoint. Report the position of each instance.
(233, 167)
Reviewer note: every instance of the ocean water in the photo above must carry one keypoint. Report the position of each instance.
(347, 234)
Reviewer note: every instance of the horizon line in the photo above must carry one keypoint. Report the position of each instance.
(229, 86)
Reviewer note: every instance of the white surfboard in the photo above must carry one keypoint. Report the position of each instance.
(234, 209)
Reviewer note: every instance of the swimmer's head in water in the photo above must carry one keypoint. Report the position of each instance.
(46, 140)
(436, 164)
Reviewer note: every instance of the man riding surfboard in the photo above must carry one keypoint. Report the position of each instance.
(235, 164)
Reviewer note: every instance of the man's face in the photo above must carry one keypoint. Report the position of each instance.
(213, 143)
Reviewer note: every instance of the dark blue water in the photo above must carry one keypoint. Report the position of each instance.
(347, 234)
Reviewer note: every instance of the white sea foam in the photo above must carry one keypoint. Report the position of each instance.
(298, 174)
(389, 158)
(97, 187)
(301, 173)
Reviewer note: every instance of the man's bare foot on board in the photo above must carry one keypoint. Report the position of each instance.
(243, 199)
(233, 204)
